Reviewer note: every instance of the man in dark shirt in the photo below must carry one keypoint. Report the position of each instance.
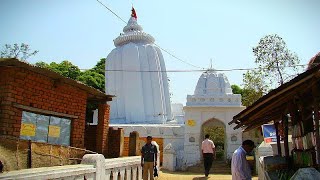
(148, 158)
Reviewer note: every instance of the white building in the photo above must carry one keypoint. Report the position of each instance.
(177, 113)
(135, 74)
(212, 104)
(142, 101)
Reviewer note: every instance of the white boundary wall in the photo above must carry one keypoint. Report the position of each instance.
(92, 167)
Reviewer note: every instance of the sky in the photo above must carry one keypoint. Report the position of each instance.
(82, 31)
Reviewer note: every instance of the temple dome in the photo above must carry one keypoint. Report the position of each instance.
(211, 82)
(213, 89)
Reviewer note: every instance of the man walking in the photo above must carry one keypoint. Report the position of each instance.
(239, 166)
(148, 159)
(208, 153)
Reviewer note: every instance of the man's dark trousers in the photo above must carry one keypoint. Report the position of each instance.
(207, 159)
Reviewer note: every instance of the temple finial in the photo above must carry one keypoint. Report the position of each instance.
(133, 13)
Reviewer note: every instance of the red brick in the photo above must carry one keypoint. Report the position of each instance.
(25, 87)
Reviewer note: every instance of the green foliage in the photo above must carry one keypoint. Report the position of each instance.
(41, 64)
(251, 92)
(65, 68)
(217, 135)
(100, 66)
(276, 64)
(275, 60)
(236, 89)
(94, 77)
(22, 51)
(254, 87)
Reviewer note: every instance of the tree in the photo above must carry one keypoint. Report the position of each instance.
(65, 68)
(22, 51)
(94, 77)
(42, 64)
(236, 89)
(217, 135)
(100, 67)
(249, 94)
(275, 60)
(254, 87)
(276, 64)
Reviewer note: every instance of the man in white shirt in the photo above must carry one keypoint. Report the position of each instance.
(208, 152)
(239, 166)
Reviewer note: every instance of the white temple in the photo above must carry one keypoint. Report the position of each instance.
(136, 75)
(213, 89)
(212, 104)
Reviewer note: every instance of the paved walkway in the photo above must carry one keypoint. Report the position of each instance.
(167, 175)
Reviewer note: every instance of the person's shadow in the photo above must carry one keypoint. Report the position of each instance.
(200, 178)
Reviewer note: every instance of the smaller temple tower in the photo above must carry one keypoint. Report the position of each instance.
(212, 105)
(213, 89)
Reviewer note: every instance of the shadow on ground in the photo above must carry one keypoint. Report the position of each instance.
(187, 175)
(200, 178)
(190, 173)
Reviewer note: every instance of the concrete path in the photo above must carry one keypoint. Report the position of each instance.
(219, 170)
(167, 175)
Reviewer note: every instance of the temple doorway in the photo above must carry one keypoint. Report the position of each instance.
(217, 131)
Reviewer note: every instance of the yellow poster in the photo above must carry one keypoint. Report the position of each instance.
(28, 129)
(191, 122)
(54, 131)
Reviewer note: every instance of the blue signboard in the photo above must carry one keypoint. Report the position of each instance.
(269, 133)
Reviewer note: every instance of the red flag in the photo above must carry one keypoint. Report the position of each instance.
(133, 14)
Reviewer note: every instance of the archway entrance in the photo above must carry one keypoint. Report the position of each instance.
(217, 131)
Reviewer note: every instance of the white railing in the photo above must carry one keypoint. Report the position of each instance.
(123, 168)
(79, 171)
(92, 167)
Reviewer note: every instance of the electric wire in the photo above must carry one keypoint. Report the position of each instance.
(112, 11)
(200, 70)
(172, 55)
(185, 70)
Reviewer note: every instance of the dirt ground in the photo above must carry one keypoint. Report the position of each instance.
(167, 175)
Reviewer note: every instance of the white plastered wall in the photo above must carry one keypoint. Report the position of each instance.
(200, 115)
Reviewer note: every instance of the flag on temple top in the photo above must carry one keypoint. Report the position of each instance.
(133, 14)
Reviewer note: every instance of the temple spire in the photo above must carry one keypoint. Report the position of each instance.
(133, 13)
(210, 69)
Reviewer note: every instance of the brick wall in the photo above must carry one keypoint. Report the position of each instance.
(115, 142)
(143, 140)
(102, 129)
(21, 86)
